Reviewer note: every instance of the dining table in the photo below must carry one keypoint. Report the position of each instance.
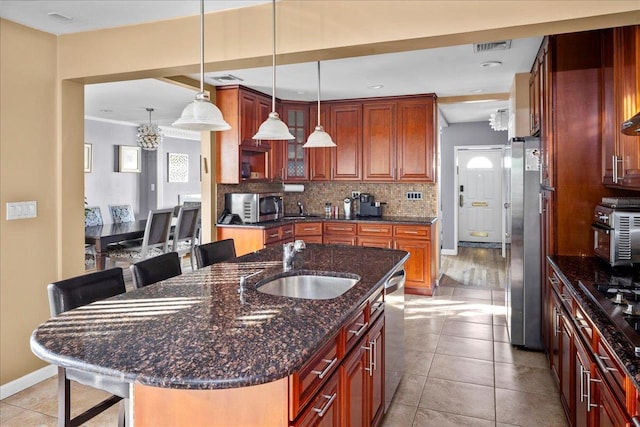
(103, 235)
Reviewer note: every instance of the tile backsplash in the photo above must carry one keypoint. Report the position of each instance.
(316, 194)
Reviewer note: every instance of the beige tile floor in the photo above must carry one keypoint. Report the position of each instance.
(460, 370)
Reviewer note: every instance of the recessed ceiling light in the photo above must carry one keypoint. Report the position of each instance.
(490, 64)
(477, 91)
(106, 110)
(57, 16)
(300, 92)
(378, 86)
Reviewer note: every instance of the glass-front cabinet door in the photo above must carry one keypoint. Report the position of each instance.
(295, 164)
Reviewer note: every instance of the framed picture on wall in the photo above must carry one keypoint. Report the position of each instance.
(129, 159)
(178, 167)
(87, 157)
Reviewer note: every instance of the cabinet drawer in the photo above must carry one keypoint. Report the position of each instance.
(286, 232)
(324, 409)
(308, 229)
(304, 383)
(375, 242)
(382, 230)
(412, 231)
(272, 235)
(355, 329)
(312, 239)
(611, 370)
(344, 228)
(376, 305)
(339, 240)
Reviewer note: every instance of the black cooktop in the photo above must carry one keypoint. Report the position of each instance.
(619, 298)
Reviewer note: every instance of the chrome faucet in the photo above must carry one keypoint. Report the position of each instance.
(289, 253)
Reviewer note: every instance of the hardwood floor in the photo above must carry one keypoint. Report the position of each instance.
(477, 267)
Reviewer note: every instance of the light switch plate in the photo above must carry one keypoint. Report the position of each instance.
(22, 210)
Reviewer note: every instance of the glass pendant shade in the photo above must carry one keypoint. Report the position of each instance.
(319, 138)
(273, 128)
(201, 115)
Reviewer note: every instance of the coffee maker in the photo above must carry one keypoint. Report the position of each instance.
(368, 207)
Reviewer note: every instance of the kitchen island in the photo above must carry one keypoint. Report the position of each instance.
(196, 351)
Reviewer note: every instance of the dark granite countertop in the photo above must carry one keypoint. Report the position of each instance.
(424, 220)
(591, 270)
(196, 331)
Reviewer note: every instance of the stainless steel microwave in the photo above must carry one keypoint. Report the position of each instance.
(255, 207)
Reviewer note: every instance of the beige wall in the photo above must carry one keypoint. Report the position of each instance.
(42, 124)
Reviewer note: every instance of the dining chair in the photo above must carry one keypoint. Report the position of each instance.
(92, 218)
(186, 232)
(121, 213)
(66, 295)
(153, 270)
(211, 253)
(155, 240)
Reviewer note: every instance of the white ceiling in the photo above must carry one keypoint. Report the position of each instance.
(450, 71)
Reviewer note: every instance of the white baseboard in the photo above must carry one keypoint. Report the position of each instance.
(452, 252)
(24, 382)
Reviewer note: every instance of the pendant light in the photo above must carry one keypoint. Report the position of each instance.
(201, 114)
(273, 128)
(149, 136)
(319, 138)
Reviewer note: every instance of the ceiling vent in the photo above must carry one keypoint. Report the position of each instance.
(227, 78)
(492, 46)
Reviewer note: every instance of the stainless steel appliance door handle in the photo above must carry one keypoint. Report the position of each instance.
(461, 201)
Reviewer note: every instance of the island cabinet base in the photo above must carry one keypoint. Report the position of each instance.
(260, 405)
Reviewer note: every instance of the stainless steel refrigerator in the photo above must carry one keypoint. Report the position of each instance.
(523, 253)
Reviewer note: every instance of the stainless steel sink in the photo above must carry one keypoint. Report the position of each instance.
(308, 286)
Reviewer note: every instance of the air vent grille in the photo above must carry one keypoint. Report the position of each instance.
(227, 78)
(491, 46)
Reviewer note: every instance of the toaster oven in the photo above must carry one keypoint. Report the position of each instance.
(617, 234)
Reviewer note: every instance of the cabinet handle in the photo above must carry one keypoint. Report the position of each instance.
(582, 374)
(554, 280)
(556, 321)
(273, 235)
(590, 380)
(370, 350)
(373, 230)
(604, 367)
(615, 160)
(327, 405)
(376, 306)
(409, 232)
(326, 370)
(363, 326)
(374, 357)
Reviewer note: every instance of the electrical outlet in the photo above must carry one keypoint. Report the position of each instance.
(355, 194)
(414, 195)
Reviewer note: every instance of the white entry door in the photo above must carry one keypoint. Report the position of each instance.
(480, 195)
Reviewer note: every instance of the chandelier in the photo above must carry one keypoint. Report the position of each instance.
(149, 136)
(499, 120)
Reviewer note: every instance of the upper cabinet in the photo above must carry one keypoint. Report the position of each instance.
(346, 132)
(240, 157)
(621, 153)
(319, 158)
(379, 140)
(416, 146)
(291, 161)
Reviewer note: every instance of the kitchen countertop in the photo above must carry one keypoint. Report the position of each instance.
(590, 270)
(196, 331)
(426, 220)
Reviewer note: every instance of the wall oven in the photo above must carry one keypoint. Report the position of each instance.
(616, 231)
(255, 207)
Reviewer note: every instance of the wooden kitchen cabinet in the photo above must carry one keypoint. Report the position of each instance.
(290, 160)
(346, 132)
(320, 158)
(244, 109)
(362, 377)
(420, 268)
(251, 239)
(621, 80)
(309, 231)
(374, 234)
(339, 232)
(379, 141)
(416, 139)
